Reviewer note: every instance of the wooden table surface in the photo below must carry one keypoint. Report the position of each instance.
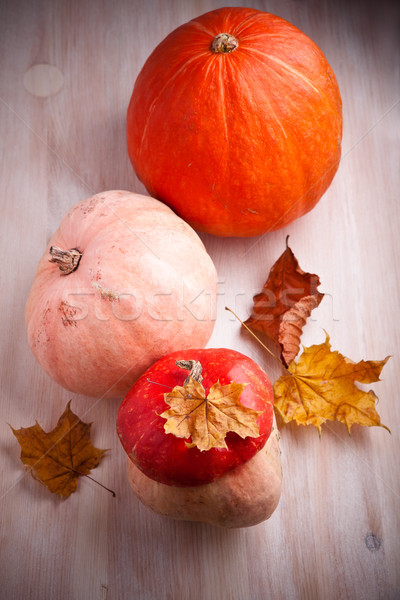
(336, 531)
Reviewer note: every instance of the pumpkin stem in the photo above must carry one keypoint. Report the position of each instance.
(224, 43)
(194, 366)
(67, 260)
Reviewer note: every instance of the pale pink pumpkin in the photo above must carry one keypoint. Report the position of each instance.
(142, 286)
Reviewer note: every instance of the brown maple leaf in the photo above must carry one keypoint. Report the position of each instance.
(282, 307)
(321, 386)
(207, 419)
(59, 457)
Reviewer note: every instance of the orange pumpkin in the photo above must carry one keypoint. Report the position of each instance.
(123, 282)
(235, 122)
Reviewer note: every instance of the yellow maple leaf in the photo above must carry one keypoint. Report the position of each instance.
(207, 419)
(321, 386)
(59, 457)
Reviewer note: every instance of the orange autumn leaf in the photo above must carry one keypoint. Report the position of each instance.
(59, 457)
(207, 419)
(321, 387)
(282, 307)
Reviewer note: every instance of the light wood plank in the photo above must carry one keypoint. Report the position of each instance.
(336, 531)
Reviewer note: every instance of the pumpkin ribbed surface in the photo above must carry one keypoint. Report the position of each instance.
(243, 139)
(142, 287)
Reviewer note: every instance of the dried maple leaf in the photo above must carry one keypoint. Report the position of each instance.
(284, 304)
(321, 386)
(207, 419)
(57, 458)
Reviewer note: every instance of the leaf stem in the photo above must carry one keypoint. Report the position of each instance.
(158, 383)
(95, 481)
(256, 337)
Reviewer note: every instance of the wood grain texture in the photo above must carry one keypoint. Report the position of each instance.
(336, 531)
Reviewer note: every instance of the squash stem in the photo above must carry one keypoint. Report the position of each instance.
(67, 260)
(194, 366)
(224, 43)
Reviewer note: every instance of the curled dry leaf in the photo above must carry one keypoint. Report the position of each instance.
(207, 419)
(59, 457)
(282, 307)
(321, 386)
